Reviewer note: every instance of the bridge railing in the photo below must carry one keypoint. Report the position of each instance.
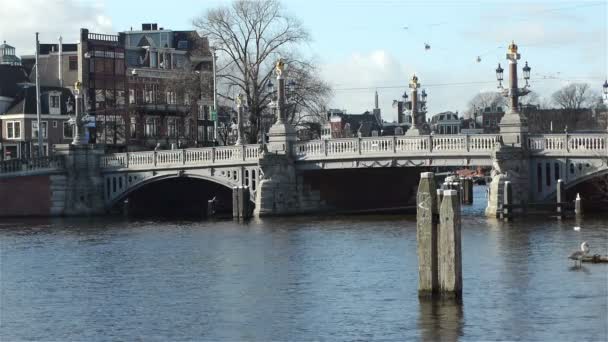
(191, 156)
(394, 145)
(590, 144)
(25, 165)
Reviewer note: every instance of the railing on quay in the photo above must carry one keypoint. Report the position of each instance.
(369, 146)
(189, 157)
(16, 166)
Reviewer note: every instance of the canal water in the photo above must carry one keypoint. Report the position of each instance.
(295, 279)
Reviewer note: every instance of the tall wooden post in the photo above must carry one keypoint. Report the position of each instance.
(578, 205)
(426, 228)
(450, 255)
(561, 196)
(507, 201)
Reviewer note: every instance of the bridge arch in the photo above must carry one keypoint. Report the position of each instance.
(118, 187)
(577, 181)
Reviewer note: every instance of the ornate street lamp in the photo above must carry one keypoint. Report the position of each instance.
(526, 70)
(499, 76)
(423, 95)
(240, 99)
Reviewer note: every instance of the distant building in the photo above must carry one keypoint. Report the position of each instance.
(7, 55)
(170, 84)
(488, 118)
(20, 125)
(344, 125)
(446, 123)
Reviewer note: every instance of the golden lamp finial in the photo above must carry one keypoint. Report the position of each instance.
(512, 47)
(240, 98)
(414, 82)
(280, 67)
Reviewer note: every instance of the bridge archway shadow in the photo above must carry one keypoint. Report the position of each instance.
(593, 190)
(174, 197)
(390, 189)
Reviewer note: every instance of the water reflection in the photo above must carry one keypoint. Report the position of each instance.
(440, 320)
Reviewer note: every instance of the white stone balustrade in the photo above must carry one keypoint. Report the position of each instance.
(190, 157)
(578, 144)
(480, 145)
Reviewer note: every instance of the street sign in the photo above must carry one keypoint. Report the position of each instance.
(213, 115)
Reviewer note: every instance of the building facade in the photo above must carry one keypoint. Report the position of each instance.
(446, 123)
(170, 88)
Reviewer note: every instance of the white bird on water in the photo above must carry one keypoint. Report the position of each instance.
(578, 255)
(577, 228)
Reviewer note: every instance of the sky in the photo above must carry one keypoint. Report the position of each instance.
(366, 45)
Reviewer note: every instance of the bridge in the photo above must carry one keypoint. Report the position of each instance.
(286, 176)
(574, 158)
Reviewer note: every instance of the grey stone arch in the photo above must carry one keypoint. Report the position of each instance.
(139, 181)
(544, 173)
(574, 182)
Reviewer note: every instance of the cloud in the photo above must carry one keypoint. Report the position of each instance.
(20, 20)
(364, 70)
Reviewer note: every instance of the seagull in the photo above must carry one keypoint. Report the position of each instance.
(577, 228)
(578, 255)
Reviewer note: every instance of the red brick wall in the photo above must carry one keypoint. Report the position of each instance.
(25, 196)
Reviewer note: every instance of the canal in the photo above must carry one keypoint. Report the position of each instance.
(300, 278)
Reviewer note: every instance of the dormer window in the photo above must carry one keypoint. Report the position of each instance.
(54, 103)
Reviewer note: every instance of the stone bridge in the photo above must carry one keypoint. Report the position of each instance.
(542, 160)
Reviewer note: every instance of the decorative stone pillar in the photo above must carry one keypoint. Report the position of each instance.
(513, 125)
(414, 129)
(83, 193)
(512, 164)
(277, 193)
(239, 109)
(282, 134)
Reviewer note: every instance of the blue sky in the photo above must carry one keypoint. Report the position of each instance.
(365, 43)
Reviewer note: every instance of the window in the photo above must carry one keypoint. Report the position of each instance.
(55, 124)
(131, 96)
(171, 128)
(133, 129)
(35, 129)
(54, 101)
(68, 130)
(120, 97)
(171, 98)
(152, 127)
(13, 130)
(73, 63)
(187, 99)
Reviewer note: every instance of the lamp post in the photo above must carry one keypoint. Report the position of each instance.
(79, 133)
(239, 110)
(215, 116)
(605, 87)
(513, 125)
(414, 85)
(38, 100)
(282, 134)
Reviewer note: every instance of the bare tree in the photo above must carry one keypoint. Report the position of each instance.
(249, 37)
(574, 96)
(531, 99)
(483, 100)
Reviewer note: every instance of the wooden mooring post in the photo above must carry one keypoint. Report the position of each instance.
(507, 212)
(467, 190)
(426, 235)
(240, 202)
(560, 195)
(450, 257)
(578, 206)
(438, 237)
